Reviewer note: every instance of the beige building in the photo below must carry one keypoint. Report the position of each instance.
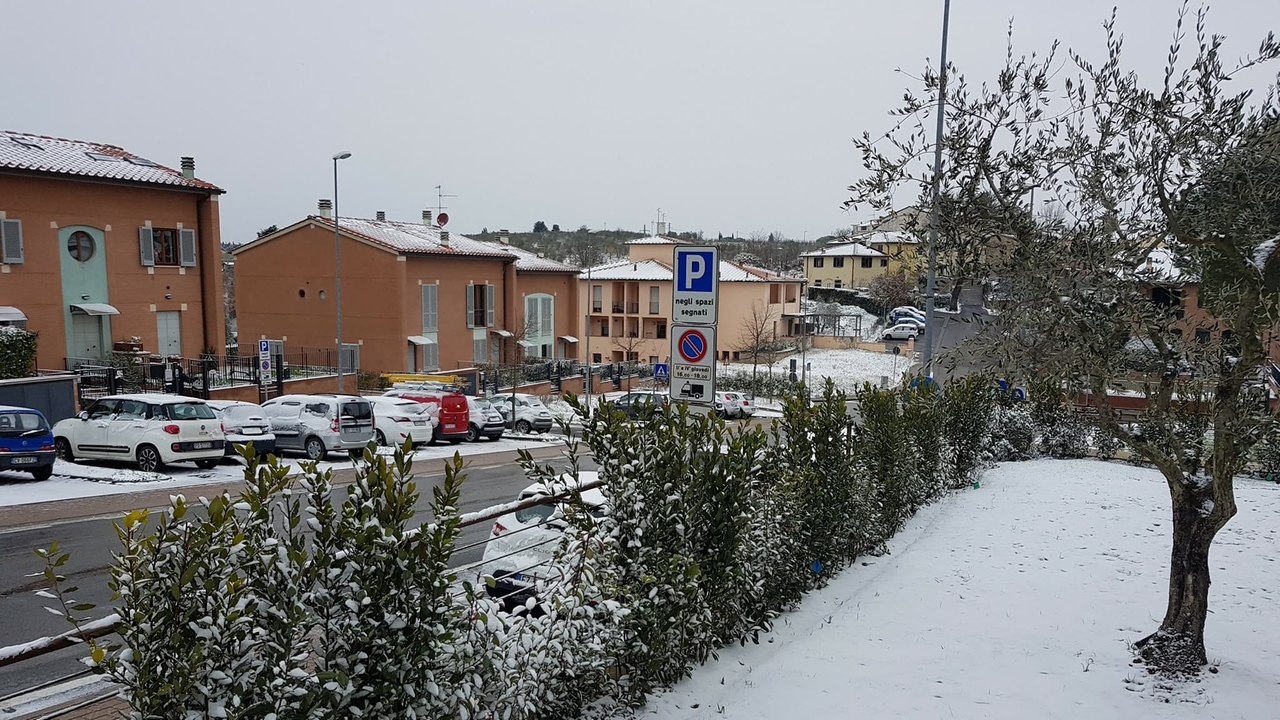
(628, 305)
(846, 265)
(899, 247)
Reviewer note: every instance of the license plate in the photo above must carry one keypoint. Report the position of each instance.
(201, 446)
(419, 422)
(449, 426)
(251, 431)
(26, 460)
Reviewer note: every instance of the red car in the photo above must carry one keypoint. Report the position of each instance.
(453, 417)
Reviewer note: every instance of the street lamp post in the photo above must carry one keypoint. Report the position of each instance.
(932, 282)
(337, 260)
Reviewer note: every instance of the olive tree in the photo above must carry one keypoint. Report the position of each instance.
(1163, 188)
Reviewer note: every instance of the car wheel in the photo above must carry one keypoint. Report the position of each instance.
(43, 473)
(382, 439)
(473, 433)
(206, 464)
(63, 447)
(149, 459)
(314, 449)
(523, 426)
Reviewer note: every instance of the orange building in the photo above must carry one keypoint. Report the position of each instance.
(98, 246)
(415, 297)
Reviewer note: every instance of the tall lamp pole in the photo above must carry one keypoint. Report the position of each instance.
(932, 281)
(588, 350)
(337, 260)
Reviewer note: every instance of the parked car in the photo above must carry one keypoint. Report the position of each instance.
(902, 331)
(906, 309)
(910, 320)
(634, 403)
(399, 419)
(746, 404)
(523, 543)
(452, 416)
(320, 424)
(530, 414)
(728, 406)
(26, 442)
(244, 423)
(485, 420)
(152, 430)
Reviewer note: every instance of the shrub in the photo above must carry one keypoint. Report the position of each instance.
(17, 352)
(1267, 455)
(968, 407)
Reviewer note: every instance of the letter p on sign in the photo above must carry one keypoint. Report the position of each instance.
(696, 276)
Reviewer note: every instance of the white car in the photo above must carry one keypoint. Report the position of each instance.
(906, 309)
(728, 406)
(151, 430)
(244, 423)
(398, 420)
(483, 420)
(746, 404)
(902, 331)
(530, 416)
(523, 543)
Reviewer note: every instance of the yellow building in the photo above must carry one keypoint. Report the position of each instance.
(846, 265)
(899, 247)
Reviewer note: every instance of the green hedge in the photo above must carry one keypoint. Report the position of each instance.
(17, 352)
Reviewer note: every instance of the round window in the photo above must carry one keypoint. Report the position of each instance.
(80, 245)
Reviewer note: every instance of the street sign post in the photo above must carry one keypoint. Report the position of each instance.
(695, 298)
(693, 364)
(264, 362)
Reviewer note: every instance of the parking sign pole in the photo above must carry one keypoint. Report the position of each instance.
(695, 306)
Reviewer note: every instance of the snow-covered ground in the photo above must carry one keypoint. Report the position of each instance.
(1016, 600)
(88, 478)
(848, 368)
(869, 320)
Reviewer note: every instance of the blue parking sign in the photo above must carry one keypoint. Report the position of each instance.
(695, 297)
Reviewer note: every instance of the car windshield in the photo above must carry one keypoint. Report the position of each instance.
(242, 412)
(21, 423)
(188, 411)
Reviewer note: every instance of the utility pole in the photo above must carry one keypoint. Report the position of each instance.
(590, 299)
(932, 281)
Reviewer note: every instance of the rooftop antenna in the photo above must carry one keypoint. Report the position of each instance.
(440, 196)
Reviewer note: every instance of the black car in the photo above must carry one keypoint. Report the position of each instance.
(638, 403)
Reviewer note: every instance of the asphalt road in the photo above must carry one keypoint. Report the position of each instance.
(92, 541)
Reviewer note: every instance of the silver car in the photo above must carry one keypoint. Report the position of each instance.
(320, 424)
(244, 423)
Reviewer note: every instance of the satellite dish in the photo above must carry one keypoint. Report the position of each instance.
(442, 219)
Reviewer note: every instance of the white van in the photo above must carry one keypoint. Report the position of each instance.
(321, 424)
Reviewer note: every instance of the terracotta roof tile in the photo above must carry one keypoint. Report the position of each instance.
(59, 156)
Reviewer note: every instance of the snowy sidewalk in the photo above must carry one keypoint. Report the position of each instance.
(1013, 601)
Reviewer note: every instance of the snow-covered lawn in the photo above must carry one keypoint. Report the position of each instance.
(1016, 600)
(848, 368)
(87, 479)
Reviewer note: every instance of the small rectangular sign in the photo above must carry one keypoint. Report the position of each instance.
(693, 364)
(692, 372)
(695, 298)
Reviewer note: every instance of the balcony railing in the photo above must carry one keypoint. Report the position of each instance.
(633, 308)
(618, 307)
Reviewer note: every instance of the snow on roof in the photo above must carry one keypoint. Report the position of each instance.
(410, 237)
(876, 238)
(1160, 267)
(844, 250)
(656, 240)
(655, 270)
(59, 156)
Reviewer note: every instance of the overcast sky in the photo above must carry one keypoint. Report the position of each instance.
(730, 116)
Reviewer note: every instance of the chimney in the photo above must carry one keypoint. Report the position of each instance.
(326, 208)
(444, 237)
(426, 218)
(503, 238)
(188, 167)
(382, 216)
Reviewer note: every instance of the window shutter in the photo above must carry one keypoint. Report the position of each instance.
(548, 317)
(488, 305)
(471, 306)
(187, 248)
(430, 313)
(531, 323)
(430, 356)
(147, 246)
(11, 241)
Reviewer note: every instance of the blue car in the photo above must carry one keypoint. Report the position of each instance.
(26, 442)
